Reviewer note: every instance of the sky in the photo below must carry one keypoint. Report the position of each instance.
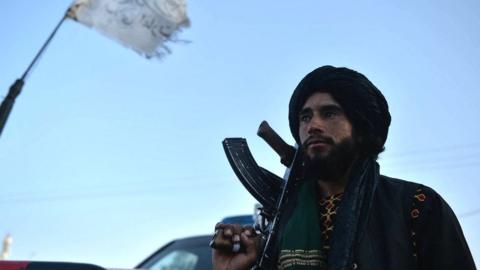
(107, 155)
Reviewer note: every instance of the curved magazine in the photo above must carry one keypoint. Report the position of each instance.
(262, 184)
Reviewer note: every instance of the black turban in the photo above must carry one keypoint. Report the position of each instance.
(363, 103)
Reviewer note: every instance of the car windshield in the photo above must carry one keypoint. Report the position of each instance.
(182, 254)
(176, 260)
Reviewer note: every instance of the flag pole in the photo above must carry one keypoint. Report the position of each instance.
(16, 88)
(44, 46)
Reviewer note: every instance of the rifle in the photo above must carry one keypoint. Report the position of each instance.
(271, 191)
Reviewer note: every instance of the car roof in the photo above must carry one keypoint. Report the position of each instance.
(239, 219)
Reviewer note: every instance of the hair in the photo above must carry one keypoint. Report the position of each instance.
(364, 105)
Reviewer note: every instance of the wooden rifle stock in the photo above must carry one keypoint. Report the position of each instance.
(284, 150)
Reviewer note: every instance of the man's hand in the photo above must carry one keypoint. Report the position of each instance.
(237, 247)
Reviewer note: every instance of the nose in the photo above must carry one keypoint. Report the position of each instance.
(316, 126)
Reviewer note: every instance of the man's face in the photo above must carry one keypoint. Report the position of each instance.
(323, 126)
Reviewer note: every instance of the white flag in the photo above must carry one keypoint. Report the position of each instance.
(143, 25)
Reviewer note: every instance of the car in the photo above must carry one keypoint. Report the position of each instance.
(28, 265)
(190, 253)
(242, 220)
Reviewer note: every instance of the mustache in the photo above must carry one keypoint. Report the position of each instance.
(317, 138)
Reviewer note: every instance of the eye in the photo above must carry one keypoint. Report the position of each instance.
(305, 118)
(329, 114)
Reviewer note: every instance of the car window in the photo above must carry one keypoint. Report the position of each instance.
(195, 258)
(176, 260)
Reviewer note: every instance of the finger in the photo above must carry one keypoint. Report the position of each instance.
(220, 242)
(220, 225)
(236, 243)
(249, 243)
(228, 232)
(223, 230)
(249, 231)
(237, 228)
(248, 227)
(236, 238)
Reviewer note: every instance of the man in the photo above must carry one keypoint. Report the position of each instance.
(344, 214)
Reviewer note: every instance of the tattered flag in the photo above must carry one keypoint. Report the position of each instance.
(143, 25)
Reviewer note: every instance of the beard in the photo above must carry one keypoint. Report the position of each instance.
(332, 166)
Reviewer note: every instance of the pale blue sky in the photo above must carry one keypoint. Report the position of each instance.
(107, 155)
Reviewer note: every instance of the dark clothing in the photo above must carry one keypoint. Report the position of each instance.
(388, 244)
(401, 233)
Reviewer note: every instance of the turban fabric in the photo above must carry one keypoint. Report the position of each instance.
(363, 103)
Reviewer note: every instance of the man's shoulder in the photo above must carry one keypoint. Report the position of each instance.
(404, 196)
(398, 184)
(406, 189)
